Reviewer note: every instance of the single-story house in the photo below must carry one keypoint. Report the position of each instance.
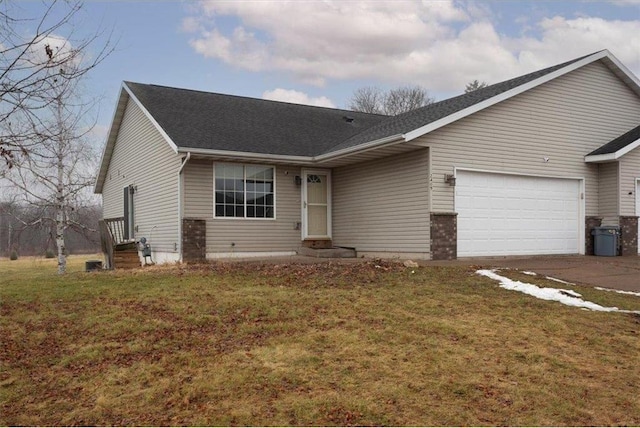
(523, 167)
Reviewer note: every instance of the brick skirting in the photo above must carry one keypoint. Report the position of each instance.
(629, 235)
(194, 240)
(590, 223)
(444, 236)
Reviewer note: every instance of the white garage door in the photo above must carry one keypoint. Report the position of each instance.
(501, 214)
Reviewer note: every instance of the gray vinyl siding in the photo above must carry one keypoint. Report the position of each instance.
(383, 205)
(562, 120)
(143, 158)
(608, 192)
(629, 173)
(248, 235)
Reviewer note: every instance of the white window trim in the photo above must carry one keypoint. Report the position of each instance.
(244, 178)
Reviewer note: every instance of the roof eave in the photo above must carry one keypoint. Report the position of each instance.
(125, 94)
(247, 156)
(520, 89)
(608, 157)
(116, 121)
(371, 145)
(290, 159)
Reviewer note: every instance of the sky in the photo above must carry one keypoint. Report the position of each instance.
(319, 52)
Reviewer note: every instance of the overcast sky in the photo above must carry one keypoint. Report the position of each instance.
(318, 52)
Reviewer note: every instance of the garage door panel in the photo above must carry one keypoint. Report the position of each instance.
(500, 214)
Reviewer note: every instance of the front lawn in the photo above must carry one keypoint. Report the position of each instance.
(370, 343)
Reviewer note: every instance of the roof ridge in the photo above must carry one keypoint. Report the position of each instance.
(476, 97)
(253, 98)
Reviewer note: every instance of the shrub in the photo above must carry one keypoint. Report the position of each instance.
(49, 254)
(13, 255)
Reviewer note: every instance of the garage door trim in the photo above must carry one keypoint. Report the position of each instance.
(581, 186)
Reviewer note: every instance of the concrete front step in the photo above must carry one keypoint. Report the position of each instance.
(335, 252)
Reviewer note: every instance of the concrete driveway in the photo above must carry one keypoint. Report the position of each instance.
(621, 273)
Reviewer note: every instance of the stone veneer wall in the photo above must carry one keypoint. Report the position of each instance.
(194, 240)
(590, 224)
(444, 236)
(629, 235)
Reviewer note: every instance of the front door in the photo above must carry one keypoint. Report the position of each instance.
(316, 204)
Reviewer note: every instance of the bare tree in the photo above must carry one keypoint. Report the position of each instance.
(56, 175)
(38, 53)
(474, 86)
(393, 102)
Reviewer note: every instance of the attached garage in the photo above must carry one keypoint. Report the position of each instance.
(503, 214)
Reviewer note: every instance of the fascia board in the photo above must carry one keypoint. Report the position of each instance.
(629, 147)
(300, 160)
(148, 115)
(504, 96)
(398, 138)
(608, 157)
(105, 159)
(613, 156)
(633, 80)
(248, 155)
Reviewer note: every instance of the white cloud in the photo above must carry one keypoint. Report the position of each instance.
(297, 97)
(441, 45)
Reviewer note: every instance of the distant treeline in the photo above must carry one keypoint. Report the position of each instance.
(30, 231)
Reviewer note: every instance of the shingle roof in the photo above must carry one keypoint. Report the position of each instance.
(415, 119)
(619, 143)
(203, 120)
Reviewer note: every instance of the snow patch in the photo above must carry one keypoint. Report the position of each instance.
(550, 278)
(526, 272)
(631, 293)
(566, 297)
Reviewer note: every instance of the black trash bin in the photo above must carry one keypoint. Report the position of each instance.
(92, 265)
(605, 240)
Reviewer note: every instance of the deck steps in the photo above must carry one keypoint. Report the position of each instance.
(126, 259)
(334, 252)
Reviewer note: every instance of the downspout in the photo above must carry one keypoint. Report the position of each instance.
(180, 207)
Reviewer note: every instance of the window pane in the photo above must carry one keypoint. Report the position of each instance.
(244, 190)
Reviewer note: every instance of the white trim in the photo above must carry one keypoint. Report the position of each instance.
(582, 197)
(398, 138)
(504, 96)
(521, 174)
(300, 160)
(244, 178)
(118, 114)
(248, 254)
(250, 156)
(632, 77)
(150, 117)
(613, 156)
(303, 204)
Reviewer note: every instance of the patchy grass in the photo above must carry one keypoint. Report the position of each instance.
(369, 343)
